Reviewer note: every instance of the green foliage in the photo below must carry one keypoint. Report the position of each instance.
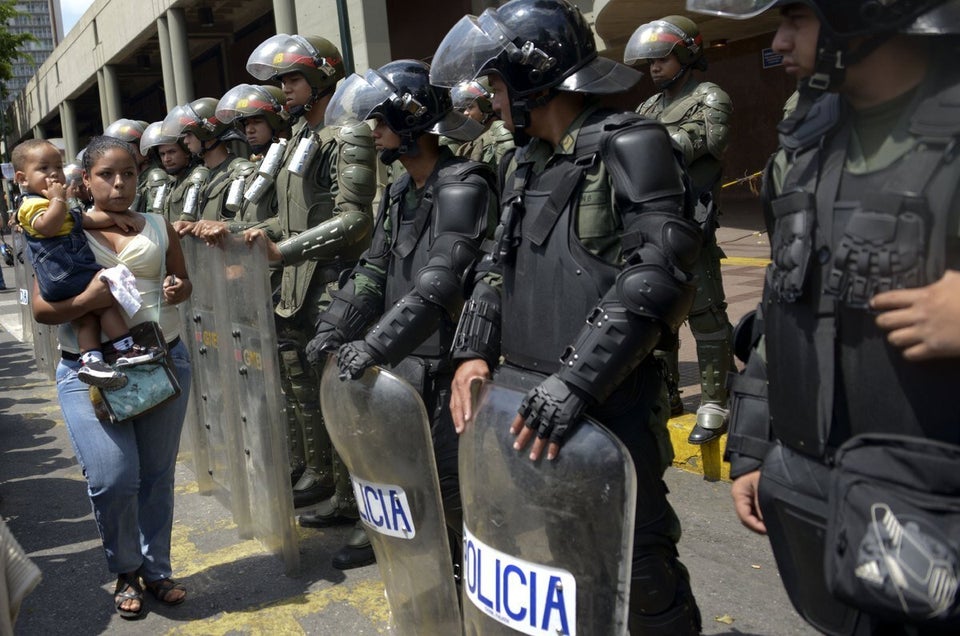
(11, 45)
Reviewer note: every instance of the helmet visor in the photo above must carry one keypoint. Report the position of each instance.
(177, 121)
(279, 54)
(246, 100)
(652, 41)
(356, 98)
(458, 126)
(465, 93)
(737, 9)
(153, 136)
(468, 47)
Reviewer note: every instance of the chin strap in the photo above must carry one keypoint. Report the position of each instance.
(673, 80)
(519, 113)
(830, 70)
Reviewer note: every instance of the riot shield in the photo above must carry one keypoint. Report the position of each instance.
(213, 417)
(547, 544)
(46, 349)
(254, 367)
(379, 426)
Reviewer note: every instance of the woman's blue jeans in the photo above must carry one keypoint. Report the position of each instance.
(129, 469)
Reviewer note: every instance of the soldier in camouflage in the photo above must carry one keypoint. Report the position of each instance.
(695, 113)
(325, 193)
(473, 99)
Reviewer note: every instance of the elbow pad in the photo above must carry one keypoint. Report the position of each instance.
(652, 291)
(437, 284)
(478, 333)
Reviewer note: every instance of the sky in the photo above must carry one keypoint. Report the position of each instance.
(72, 10)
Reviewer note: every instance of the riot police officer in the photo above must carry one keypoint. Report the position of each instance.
(257, 112)
(173, 156)
(206, 137)
(425, 242)
(473, 99)
(326, 185)
(593, 204)
(696, 115)
(858, 354)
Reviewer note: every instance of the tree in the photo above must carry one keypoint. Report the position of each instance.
(12, 45)
(12, 48)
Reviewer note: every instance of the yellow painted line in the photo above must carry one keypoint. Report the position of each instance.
(281, 617)
(264, 619)
(745, 261)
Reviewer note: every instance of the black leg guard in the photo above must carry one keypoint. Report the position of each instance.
(661, 601)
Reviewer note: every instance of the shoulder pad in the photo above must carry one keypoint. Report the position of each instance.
(358, 134)
(824, 116)
(649, 104)
(714, 97)
(939, 114)
(156, 177)
(242, 167)
(500, 133)
(461, 169)
(199, 175)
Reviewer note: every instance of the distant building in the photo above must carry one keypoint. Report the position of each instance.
(42, 19)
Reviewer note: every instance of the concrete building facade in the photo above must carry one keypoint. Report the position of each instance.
(139, 59)
(40, 18)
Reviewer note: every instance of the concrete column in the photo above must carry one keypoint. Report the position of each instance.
(166, 63)
(101, 89)
(39, 132)
(68, 121)
(180, 55)
(285, 16)
(111, 91)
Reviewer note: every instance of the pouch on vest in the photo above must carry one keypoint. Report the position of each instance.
(894, 529)
(791, 243)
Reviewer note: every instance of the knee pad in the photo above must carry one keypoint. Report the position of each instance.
(661, 601)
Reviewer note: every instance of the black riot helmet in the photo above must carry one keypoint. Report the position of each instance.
(845, 19)
(400, 94)
(849, 31)
(533, 45)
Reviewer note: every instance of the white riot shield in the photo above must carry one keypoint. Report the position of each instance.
(547, 544)
(46, 349)
(214, 415)
(255, 369)
(379, 426)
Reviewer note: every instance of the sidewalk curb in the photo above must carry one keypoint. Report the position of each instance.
(705, 459)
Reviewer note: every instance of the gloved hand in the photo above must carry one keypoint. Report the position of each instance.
(326, 341)
(355, 358)
(552, 408)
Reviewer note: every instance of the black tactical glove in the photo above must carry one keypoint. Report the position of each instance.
(326, 341)
(355, 358)
(552, 408)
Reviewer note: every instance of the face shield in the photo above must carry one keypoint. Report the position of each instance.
(356, 98)
(736, 9)
(465, 93)
(652, 41)
(153, 136)
(468, 47)
(246, 100)
(282, 53)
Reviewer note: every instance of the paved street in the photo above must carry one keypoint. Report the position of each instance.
(237, 588)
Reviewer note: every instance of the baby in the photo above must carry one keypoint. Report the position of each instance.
(64, 263)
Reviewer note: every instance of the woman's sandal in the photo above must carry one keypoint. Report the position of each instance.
(128, 589)
(161, 591)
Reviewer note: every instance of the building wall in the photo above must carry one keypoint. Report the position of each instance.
(36, 20)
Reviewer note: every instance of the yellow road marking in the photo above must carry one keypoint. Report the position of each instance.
(745, 261)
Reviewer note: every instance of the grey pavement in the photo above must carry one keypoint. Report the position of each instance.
(236, 587)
